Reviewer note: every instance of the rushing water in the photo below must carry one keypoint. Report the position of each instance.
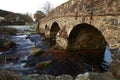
(25, 43)
(21, 27)
(23, 48)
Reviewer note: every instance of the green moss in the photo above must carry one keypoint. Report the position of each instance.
(43, 64)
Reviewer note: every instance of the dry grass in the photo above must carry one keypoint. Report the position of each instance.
(8, 75)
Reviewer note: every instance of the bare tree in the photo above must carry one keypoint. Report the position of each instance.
(47, 8)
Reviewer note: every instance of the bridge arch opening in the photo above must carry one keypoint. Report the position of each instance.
(88, 42)
(85, 36)
(46, 26)
(54, 30)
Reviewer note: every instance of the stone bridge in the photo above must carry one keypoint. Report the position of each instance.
(84, 23)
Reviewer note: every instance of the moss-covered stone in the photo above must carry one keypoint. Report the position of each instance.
(43, 64)
(36, 51)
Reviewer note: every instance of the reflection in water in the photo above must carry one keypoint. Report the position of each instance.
(107, 59)
(107, 55)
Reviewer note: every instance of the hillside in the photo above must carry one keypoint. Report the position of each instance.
(11, 18)
(3, 13)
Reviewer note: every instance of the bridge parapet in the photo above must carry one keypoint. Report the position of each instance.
(85, 8)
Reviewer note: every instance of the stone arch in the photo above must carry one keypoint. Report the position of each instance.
(54, 30)
(88, 42)
(85, 35)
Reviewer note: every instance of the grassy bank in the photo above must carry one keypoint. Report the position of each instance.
(7, 31)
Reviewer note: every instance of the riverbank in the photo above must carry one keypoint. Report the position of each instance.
(11, 75)
(5, 33)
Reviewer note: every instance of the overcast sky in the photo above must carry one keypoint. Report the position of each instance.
(27, 6)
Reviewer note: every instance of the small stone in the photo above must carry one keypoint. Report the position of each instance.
(83, 76)
(46, 77)
(64, 77)
(42, 38)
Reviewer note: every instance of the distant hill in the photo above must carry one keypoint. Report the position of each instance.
(3, 13)
(12, 18)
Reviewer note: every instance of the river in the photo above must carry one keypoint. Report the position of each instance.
(24, 46)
